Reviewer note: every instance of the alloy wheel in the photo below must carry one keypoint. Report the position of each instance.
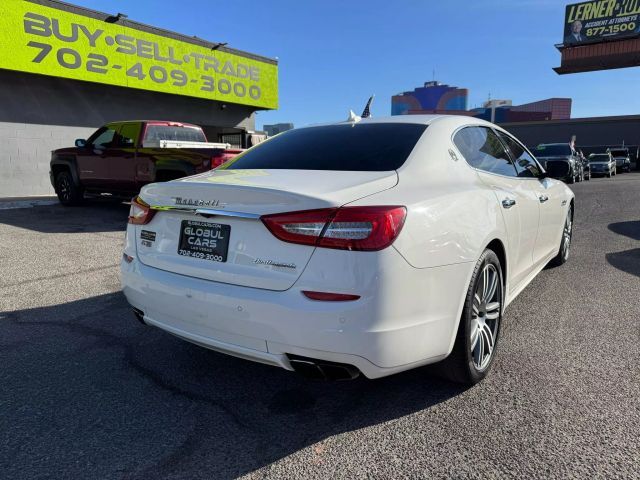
(64, 188)
(566, 236)
(485, 316)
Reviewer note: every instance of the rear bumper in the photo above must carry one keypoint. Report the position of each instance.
(377, 334)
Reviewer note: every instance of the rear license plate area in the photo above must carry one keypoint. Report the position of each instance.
(204, 240)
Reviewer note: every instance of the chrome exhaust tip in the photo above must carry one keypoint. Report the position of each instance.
(322, 370)
(139, 315)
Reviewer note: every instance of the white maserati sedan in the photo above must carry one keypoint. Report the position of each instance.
(371, 246)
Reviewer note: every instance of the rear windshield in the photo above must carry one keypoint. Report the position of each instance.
(372, 147)
(551, 150)
(172, 132)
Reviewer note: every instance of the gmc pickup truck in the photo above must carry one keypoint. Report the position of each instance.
(121, 157)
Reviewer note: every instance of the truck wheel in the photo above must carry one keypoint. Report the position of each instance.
(68, 192)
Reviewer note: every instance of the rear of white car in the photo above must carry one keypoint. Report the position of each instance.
(294, 267)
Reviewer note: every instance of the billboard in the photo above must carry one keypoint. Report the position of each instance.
(596, 21)
(59, 42)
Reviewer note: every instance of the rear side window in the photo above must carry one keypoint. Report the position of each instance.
(173, 132)
(525, 165)
(372, 147)
(128, 135)
(483, 150)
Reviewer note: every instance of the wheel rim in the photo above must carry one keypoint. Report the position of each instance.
(64, 188)
(566, 236)
(485, 316)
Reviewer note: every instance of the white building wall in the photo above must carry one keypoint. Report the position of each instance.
(25, 152)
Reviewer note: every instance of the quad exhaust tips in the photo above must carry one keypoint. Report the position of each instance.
(321, 369)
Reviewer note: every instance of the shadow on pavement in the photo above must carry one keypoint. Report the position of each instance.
(628, 229)
(91, 390)
(628, 260)
(95, 215)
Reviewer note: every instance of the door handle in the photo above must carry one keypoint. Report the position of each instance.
(508, 203)
(543, 198)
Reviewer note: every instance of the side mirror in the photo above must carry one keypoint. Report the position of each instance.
(81, 142)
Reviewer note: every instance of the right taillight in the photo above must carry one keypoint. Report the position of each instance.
(346, 228)
(140, 212)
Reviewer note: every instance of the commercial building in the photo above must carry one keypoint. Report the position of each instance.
(277, 128)
(66, 70)
(433, 97)
(592, 135)
(548, 109)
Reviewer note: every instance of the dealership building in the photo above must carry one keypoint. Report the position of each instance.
(67, 70)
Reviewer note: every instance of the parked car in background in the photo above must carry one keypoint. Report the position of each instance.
(370, 246)
(622, 158)
(564, 153)
(586, 168)
(121, 157)
(602, 164)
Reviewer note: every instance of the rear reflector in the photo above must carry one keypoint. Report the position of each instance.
(330, 297)
(140, 213)
(346, 228)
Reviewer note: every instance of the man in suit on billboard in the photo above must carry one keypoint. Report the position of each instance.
(575, 36)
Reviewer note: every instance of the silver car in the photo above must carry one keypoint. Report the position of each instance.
(602, 164)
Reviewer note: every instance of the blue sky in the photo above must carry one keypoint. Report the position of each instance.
(334, 54)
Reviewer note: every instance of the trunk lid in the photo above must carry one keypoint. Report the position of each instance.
(235, 199)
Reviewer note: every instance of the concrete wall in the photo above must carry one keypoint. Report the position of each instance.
(40, 113)
(25, 151)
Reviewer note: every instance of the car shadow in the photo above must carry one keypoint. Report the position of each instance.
(94, 215)
(628, 260)
(133, 401)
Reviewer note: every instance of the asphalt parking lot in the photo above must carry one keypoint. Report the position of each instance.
(87, 392)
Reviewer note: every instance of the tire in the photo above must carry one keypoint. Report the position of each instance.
(68, 192)
(565, 242)
(469, 365)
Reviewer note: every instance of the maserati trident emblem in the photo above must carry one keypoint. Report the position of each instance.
(195, 202)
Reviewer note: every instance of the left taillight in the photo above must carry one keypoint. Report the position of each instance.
(140, 212)
(347, 228)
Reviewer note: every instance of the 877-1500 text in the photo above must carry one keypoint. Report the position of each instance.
(96, 63)
(611, 29)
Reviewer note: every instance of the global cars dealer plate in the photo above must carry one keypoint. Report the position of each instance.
(208, 241)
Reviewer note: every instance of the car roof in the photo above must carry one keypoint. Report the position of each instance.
(454, 120)
(170, 122)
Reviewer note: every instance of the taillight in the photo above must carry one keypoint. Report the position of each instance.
(217, 160)
(140, 213)
(346, 228)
